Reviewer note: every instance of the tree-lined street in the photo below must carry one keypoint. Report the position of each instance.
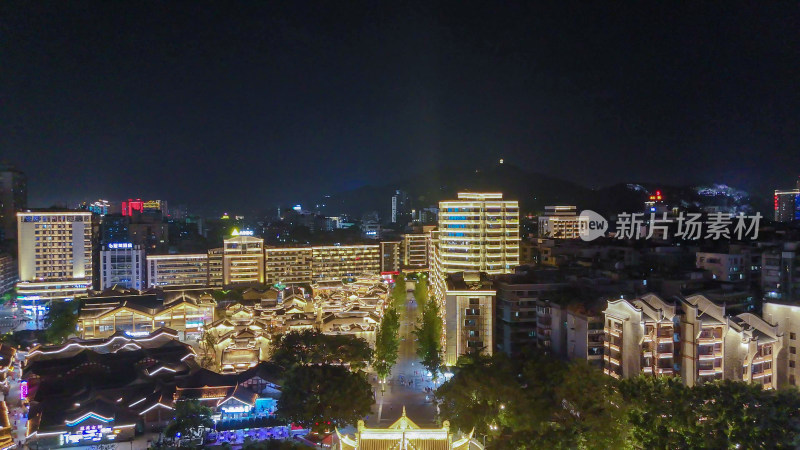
(407, 383)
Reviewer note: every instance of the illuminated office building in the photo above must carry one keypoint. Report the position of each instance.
(243, 261)
(346, 261)
(561, 222)
(288, 265)
(190, 270)
(469, 320)
(122, 264)
(55, 254)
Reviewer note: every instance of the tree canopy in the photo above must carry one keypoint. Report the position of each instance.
(61, 321)
(324, 396)
(312, 347)
(428, 330)
(541, 402)
(191, 419)
(387, 343)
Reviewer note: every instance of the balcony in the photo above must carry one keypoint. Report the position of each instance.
(708, 356)
(709, 340)
(662, 371)
(665, 339)
(647, 354)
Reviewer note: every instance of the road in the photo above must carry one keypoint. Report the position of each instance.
(398, 393)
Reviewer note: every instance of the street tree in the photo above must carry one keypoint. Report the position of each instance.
(399, 291)
(324, 396)
(61, 321)
(428, 331)
(191, 420)
(387, 343)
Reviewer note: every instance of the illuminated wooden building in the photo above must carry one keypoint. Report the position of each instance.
(404, 434)
(141, 314)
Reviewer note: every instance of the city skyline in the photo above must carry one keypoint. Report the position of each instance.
(127, 100)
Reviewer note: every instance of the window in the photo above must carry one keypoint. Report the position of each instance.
(792, 336)
(469, 323)
(474, 333)
(791, 364)
(792, 350)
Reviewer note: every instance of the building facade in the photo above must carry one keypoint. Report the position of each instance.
(346, 261)
(55, 251)
(122, 263)
(243, 262)
(787, 205)
(8, 273)
(469, 322)
(189, 270)
(13, 198)
(288, 265)
(415, 251)
(390, 257)
(561, 222)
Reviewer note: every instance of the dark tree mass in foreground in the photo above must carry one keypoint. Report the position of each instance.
(539, 402)
(324, 396)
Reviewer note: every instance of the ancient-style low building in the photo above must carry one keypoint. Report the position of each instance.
(404, 434)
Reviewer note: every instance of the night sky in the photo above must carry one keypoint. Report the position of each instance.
(245, 104)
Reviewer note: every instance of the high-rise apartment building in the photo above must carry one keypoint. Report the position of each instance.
(786, 316)
(122, 264)
(479, 232)
(188, 270)
(243, 262)
(13, 198)
(55, 254)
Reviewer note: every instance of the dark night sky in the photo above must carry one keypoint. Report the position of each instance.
(228, 104)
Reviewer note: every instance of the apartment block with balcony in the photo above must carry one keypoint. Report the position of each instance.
(288, 265)
(724, 266)
(780, 272)
(55, 251)
(517, 297)
(187, 270)
(640, 337)
(216, 256)
(585, 335)
(243, 261)
(390, 257)
(415, 251)
(479, 232)
(704, 331)
(787, 319)
(346, 261)
(468, 315)
(551, 324)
